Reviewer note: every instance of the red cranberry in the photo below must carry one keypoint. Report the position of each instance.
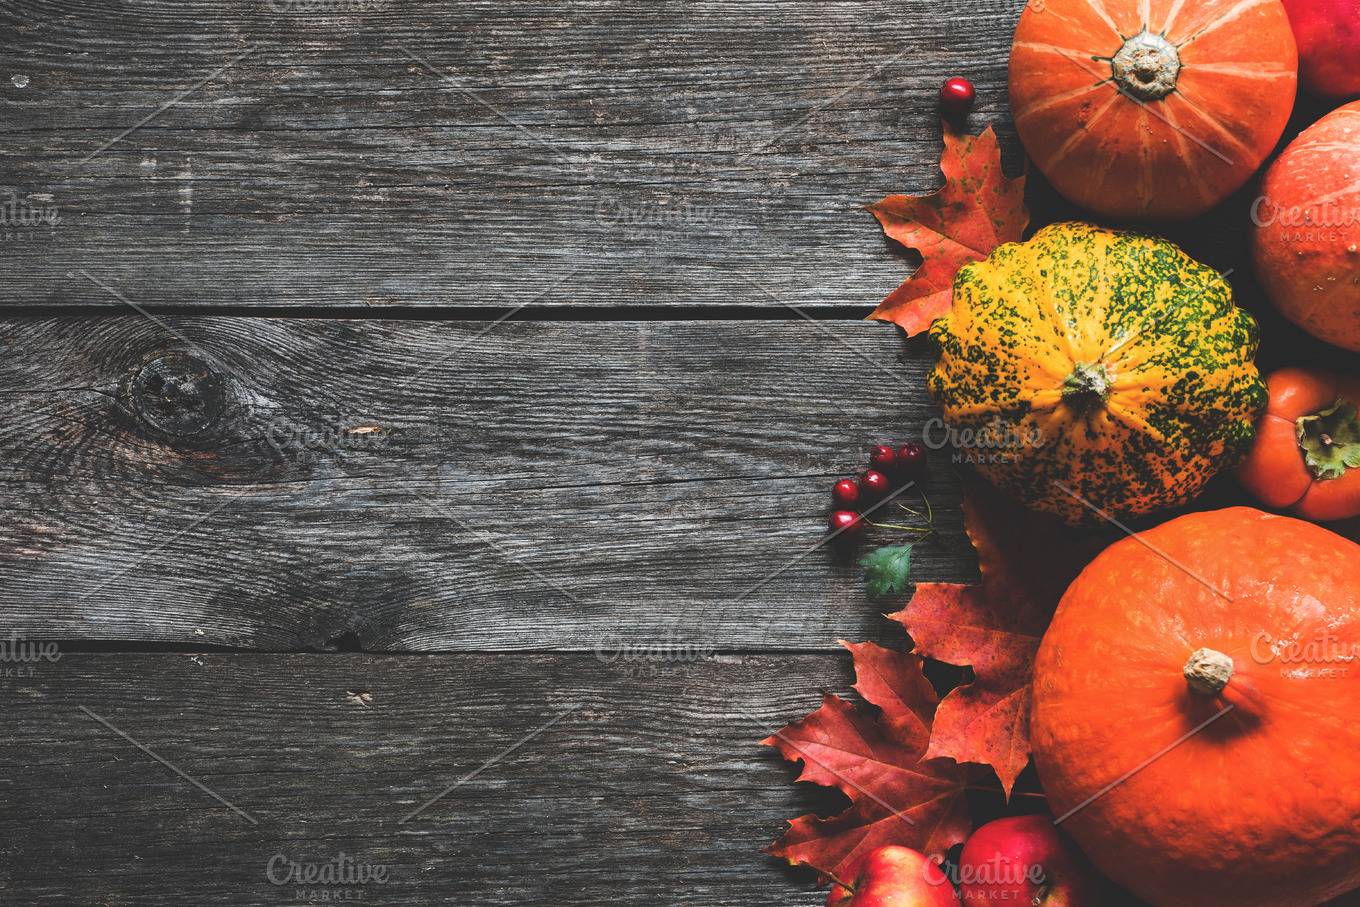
(874, 485)
(911, 461)
(883, 459)
(956, 98)
(845, 493)
(846, 522)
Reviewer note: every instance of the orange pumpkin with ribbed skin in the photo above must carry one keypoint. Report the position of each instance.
(1185, 735)
(1151, 110)
(1306, 240)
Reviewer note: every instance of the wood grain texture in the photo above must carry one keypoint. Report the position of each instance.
(582, 782)
(381, 152)
(529, 499)
(648, 789)
(437, 486)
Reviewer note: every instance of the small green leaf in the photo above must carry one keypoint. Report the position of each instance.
(889, 570)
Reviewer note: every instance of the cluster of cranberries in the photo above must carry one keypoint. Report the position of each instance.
(888, 467)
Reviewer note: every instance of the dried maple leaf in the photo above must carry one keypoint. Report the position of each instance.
(1027, 561)
(897, 798)
(977, 210)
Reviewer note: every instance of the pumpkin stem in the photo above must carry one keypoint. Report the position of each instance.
(1330, 440)
(1088, 385)
(1147, 67)
(1208, 671)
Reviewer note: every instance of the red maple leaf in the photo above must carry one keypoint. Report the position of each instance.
(1027, 561)
(977, 210)
(896, 796)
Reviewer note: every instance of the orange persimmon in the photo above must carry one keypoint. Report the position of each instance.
(1307, 451)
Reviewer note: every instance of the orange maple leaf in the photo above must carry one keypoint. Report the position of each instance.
(898, 795)
(978, 209)
(1027, 561)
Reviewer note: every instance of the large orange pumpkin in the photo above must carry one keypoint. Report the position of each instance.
(1196, 716)
(1306, 243)
(1151, 109)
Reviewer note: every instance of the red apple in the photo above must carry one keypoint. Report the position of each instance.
(1027, 860)
(893, 877)
(1328, 35)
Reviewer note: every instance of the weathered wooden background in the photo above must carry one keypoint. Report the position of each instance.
(373, 372)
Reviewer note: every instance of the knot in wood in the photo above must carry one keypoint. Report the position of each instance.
(177, 395)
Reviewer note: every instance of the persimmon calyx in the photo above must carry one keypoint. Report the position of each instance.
(1208, 671)
(1330, 440)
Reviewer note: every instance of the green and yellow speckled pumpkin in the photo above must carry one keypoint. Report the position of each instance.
(1091, 369)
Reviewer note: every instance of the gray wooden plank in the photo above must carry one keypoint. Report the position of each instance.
(431, 486)
(646, 790)
(659, 153)
(582, 782)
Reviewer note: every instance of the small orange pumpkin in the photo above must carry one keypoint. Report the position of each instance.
(1151, 109)
(1195, 709)
(1306, 241)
